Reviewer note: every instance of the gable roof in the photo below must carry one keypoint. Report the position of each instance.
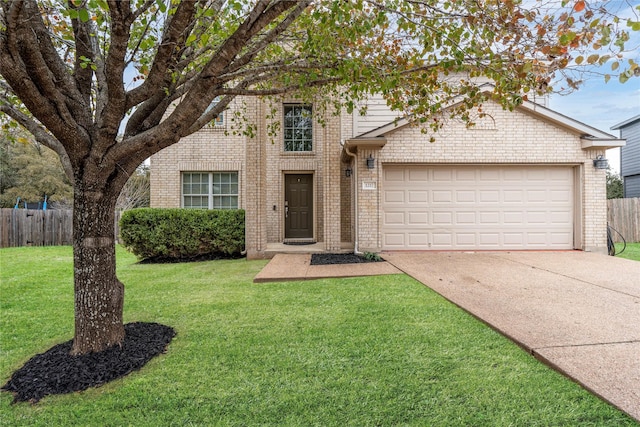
(626, 122)
(590, 136)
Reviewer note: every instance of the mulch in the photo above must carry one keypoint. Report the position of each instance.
(198, 258)
(325, 259)
(57, 372)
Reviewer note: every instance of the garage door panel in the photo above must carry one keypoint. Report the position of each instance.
(513, 218)
(513, 175)
(489, 196)
(489, 218)
(417, 196)
(391, 175)
(561, 238)
(560, 174)
(418, 239)
(489, 240)
(513, 239)
(417, 218)
(465, 175)
(539, 238)
(394, 240)
(513, 196)
(465, 240)
(537, 196)
(536, 217)
(560, 196)
(394, 197)
(561, 217)
(489, 175)
(477, 207)
(442, 218)
(442, 240)
(442, 196)
(465, 196)
(537, 175)
(418, 175)
(465, 218)
(394, 218)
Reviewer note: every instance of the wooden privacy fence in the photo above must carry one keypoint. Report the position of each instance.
(30, 227)
(624, 216)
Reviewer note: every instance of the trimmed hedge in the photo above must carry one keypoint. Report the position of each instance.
(182, 233)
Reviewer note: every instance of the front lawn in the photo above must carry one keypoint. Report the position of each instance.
(632, 251)
(362, 351)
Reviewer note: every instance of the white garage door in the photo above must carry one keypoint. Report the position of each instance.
(477, 207)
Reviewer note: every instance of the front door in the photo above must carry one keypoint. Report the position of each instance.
(298, 206)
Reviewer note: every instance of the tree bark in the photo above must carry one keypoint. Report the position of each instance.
(99, 295)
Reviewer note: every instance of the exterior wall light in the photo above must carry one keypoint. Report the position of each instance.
(371, 162)
(347, 172)
(600, 162)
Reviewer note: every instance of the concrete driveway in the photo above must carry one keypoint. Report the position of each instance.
(579, 312)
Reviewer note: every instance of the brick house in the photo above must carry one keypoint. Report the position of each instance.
(520, 180)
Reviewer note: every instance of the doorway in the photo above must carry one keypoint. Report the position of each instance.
(298, 206)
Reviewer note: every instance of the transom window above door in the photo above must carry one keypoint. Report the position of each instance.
(298, 128)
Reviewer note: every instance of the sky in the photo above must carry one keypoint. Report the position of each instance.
(601, 105)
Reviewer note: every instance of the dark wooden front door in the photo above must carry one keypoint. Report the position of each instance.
(298, 222)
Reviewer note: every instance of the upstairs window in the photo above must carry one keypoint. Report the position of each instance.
(218, 121)
(298, 128)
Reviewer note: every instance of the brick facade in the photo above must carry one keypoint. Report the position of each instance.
(342, 204)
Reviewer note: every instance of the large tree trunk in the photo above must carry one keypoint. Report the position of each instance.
(99, 295)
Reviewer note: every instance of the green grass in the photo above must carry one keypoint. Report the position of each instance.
(347, 352)
(632, 251)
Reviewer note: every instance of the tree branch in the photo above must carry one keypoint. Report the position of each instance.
(39, 132)
(269, 37)
(30, 64)
(83, 49)
(165, 56)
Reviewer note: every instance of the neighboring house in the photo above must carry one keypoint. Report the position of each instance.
(521, 180)
(630, 156)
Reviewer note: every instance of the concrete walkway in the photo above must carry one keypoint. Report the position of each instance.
(578, 312)
(285, 267)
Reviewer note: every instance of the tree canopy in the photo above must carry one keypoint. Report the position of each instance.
(96, 81)
(29, 172)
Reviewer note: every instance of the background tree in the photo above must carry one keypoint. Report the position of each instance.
(31, 171)
(614, 185)
(64, 66)
(137, 191)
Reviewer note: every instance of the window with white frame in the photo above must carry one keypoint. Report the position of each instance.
(218, 121)
(210, 190)
(298, 128)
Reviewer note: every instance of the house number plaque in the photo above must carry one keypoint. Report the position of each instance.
(368, 185)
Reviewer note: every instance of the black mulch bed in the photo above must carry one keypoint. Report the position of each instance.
(204, 257)
(57, 372)
(324, 259)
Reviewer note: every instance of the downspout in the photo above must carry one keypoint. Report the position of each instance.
(355, 190)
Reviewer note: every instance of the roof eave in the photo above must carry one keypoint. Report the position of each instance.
(354, 144)
(626, 122)
(597, 143)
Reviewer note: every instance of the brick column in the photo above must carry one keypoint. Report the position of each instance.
(331, 185)
(368, 193)
(255, 187)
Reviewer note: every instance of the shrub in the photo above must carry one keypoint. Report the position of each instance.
(182, 233)
(372, 256)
